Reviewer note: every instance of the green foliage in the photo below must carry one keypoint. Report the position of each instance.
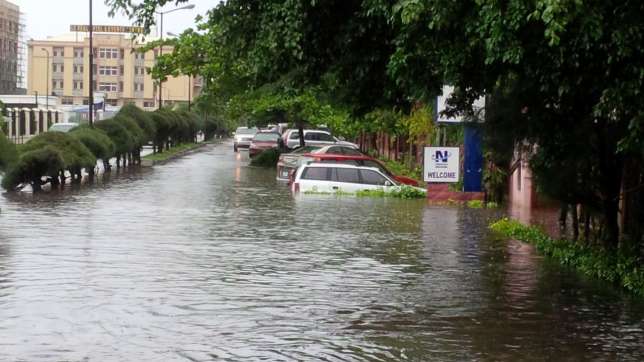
(124, 141)
(619, 266)
(74, 154)
(32, 165)
(142, 118)
(402, 192)
(402, 169)
(96, 140)
(268, 158)
(8, 154)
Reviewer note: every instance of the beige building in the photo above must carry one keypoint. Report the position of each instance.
(60, 65)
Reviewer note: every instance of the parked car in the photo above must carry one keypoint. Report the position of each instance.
(331, 178)
(263, 141)
(62, 127)
(312, 137)
(243, 137)
(356, 160)
(289, 162)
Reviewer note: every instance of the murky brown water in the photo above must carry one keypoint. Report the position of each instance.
(208, 259)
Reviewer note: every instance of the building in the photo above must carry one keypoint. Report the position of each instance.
(60, 66)
(11, 49)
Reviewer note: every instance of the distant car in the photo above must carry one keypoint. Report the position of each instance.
(332, 178)
(62, 127)
(263, 141)
(312, 137)
(243, 137)
(289, 162)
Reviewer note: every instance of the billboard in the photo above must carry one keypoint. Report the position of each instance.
(107, 29)
(442, 164)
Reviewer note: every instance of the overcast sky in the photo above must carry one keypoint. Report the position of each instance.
(53, 17)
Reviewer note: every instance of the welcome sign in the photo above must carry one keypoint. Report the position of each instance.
(442, 164)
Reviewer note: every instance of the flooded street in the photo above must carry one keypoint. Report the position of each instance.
(205, 258)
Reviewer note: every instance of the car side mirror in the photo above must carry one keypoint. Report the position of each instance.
(388, 183)
(341, 138)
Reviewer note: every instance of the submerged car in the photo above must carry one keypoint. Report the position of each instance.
(320, 138)
(243, 137)
(357, 160)
(263, 141)
(334, 178)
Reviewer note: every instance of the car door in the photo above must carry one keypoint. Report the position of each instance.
(374, 180)
(345, 179)
(316, 179)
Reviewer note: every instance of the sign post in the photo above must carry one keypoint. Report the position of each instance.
(442, 164)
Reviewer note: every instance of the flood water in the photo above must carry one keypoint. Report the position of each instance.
(207, 259)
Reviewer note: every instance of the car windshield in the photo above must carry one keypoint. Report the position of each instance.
(374, 164)
(305, 149)
(266, 137)
(246, 131)
(61, 127)
(318, 136)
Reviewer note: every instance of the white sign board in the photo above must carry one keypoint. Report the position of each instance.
(442, 164)
(478, 106)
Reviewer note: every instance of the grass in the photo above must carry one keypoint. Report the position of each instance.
(620, 267)
(405, 192)
(167, 154)
(479, 204)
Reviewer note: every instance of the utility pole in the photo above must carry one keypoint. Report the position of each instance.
(161, 13)
(91, 67)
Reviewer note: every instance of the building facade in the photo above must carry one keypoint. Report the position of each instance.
(11, 30)
(60, 66)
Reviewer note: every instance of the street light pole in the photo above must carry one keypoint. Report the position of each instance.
(91, 67)
(47, 78)
(161, 13)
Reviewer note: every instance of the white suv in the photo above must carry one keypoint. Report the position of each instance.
(312, 137)
(334, 177)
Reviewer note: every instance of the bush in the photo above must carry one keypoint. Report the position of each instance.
(75, 155)
(8, 153)
(32, 165)
(124, 141)
(142, 118)
(95, 140)
(616, 266)
(403, 192)
(268, 158)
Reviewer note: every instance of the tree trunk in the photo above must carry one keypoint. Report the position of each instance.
(575, 223)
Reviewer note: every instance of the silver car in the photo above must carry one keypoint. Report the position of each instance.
(313, 138)
(243, 137)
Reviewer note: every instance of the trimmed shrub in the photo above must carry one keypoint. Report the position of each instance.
(267, 158)
(8, 153)
(124, 141)
(95, 140)
(32, 165)
(75, 155)
(142, 118)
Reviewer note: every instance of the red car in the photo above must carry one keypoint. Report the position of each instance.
(358, 160)
(263, 141)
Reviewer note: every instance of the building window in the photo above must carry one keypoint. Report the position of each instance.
(108, 53)
(107, 87)
(148, 104)
(138, 87)
(59, 52)
(78, 84)
(57, 84)
(112, 102)
(105, 70)
(78, 69)
(68, 100)
(139, 56)
(78, 52)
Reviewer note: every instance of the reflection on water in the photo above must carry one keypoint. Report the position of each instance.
(206, 259)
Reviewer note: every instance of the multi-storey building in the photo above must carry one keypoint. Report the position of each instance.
(60, 65)
(10, 48)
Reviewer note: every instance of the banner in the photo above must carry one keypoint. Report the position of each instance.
(107, 29)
